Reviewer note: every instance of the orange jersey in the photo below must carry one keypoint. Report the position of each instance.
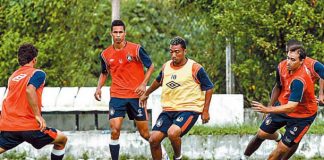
(309, 62)
(126, 70)
(17, 114)
(308, 105)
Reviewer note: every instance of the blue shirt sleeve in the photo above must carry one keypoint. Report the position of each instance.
(205, 82)
(37, 79)
(159, 78)
(145, 58)
(103, 65)
(296, 91)
(319, 69)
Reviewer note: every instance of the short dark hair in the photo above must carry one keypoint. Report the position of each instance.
(178, 40)
(292, 44)
(300, 50)
(26, 53)
(117, 23)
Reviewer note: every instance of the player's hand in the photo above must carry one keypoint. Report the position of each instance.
(143, 101)
(205, 117)
(41, 122)
(140, 90)
(257, 106)
(97, 94)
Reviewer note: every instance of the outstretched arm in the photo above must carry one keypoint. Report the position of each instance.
(205, 113)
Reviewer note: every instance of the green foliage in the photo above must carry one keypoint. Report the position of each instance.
(258, 32)
(71, 34)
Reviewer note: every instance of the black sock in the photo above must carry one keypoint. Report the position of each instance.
(55, 157)
(114, 151)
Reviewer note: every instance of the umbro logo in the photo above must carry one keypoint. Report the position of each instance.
(173, 84)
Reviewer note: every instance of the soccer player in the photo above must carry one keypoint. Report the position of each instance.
(124, 61)
(297, 106)
(186, 94)
(21, 118)
(316, 70)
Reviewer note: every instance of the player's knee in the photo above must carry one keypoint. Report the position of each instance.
(62, 140)
(262, 135)
(145, 135)
(154, 141)
(115, 133)
(174, 133)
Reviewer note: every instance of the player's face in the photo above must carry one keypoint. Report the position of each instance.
(293, 61)
(177, 54)
(118, 33)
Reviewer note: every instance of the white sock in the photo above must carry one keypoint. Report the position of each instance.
(245, 157)
(179, 157)
(114, 142)
(58, 152)
(279, 137)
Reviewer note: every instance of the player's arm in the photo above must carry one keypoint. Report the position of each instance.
(146, 60)
(155, 85)
(102, 79)
(207, 86)
(275, 90)
(34, 83)
(297, 89)
(319, 69)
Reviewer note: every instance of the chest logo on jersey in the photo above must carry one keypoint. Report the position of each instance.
(173, 84)
(19, 77)
(129, 57)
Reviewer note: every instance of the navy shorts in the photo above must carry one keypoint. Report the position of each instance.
(185, 120)
(38, 139)
(119, 106)
(296, 128)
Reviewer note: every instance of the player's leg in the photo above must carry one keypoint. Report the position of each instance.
(257, 140)
(159, 132)
(139, 114)
(115, 127)
(155, 144)
(39, 139)
(2, 150)
(182, 123)
(59, 142)
(117, 111)
(292, 150)
(268, 130)
(280, 150)
(295, 130)
(9, 140)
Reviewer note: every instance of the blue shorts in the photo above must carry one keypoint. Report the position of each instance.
(119, 106)
(185, 120)
(38, 139)
(296, 128)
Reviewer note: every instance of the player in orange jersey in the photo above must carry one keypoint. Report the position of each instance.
(316, 70)
(297, 107)
(21, 118)
(186, 95)
(124, 61)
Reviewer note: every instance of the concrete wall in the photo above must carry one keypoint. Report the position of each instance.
(95, 143)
